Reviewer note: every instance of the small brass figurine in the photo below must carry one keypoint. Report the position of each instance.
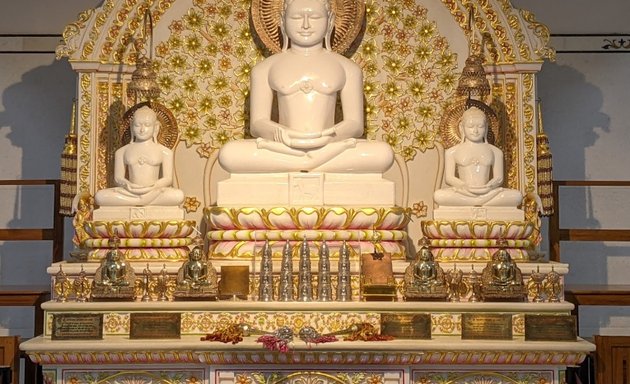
(502, 279)
(147, 276)
(553, 286)
(114, 279)
(474, 281)
(197, 278)
(81, 286)
(162, 284)
(424, 278)
(63, 286)
(454, 281)
(536, 278)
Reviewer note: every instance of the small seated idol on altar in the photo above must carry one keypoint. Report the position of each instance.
(197, 278)
(424, 278)
(114, 279)
(143, 169)
(501, 279)
(473, 172)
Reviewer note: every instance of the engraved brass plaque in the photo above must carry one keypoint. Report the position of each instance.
(234, 282)
(155, 326)
(406, 325)
(77, 326)
(486, 326)
(550, 328)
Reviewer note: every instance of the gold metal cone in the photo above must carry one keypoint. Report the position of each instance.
(473, 81)
(143, 85)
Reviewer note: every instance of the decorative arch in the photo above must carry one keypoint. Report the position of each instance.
(412, 52)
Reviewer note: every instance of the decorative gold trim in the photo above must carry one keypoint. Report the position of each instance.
(162, 376)
(511, 136)
(149, 229)
(471, 229)
(85, 84)
(543, 51)
(268, 218)
(95, 33)
(366, 357)
(529, 133)
(105, 133)
(481, 377)
(71, 35)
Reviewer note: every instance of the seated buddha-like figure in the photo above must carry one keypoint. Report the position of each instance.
(473, 169)
(143, 169)
(196, 278)
(114, 279)
(424, 278)
(306, 77)
(114, 270)
(502, 279)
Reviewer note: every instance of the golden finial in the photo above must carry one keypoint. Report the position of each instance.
(544, 166)
(473, 81)
(143, 85)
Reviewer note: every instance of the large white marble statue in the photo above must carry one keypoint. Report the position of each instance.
(143, 169)
(306, 78)
(473, 169)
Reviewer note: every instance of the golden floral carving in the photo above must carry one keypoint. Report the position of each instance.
(191, 204)
(486, 377)
(544, 51)
(419, 209)
(511, 136)
(85, 84)
(529, 133)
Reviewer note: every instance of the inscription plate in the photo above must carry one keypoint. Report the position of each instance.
(407, 325)
(77, 326)
(155, 326)
(550, 328)
(486, 326)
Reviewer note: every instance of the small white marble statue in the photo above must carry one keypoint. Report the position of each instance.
(143, 169)
(306, 78)
(473, 169)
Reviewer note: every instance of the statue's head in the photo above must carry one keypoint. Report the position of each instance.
(113, 255)
(504, 256)
(473, 125)
(425, 254)
(307, 23)
(144, 125)
(196, 254)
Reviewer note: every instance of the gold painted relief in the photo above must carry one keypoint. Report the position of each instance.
(409, 73)
(309, 377)
(408, 67)
(512, 154)
(501, 35)
(133, 18)
(477, 377)
(85, 83)
(146, 376)
(529, 133)
(95, 32)
(517, 33)
(71, 34)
